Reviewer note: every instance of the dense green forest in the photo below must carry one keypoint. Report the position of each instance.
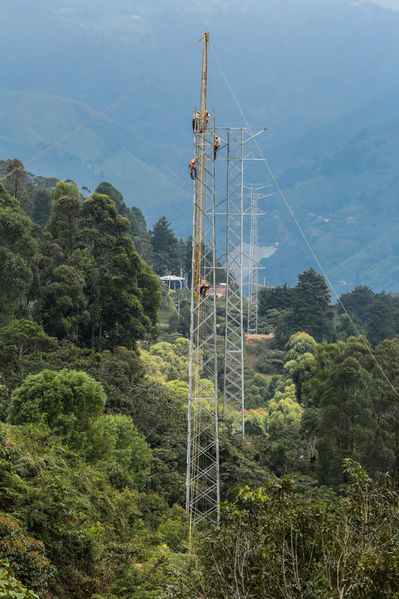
(93, 400)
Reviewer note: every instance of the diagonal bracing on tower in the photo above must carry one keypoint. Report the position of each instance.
(202, 480)
(240, 147)
(256, 192)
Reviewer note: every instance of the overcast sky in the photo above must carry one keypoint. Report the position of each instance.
(394, 4)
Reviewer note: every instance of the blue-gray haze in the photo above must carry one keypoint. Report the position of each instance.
(321, 75)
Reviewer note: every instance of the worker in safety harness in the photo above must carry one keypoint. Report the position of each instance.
(206, 119)
(216, 146)
(193, 165)
(204, 288)
(196, 120)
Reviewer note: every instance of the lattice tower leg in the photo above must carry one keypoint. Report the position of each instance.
(253, 264)
(233, 395)
(203, 481)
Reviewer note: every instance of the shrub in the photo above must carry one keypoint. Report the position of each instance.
(26, 555)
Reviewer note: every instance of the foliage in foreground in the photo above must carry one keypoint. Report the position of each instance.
(86, 495)
(275, 543)
(96, 530)
(10, 586)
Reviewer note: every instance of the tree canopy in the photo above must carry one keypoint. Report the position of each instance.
(93, 420)
(275, 543)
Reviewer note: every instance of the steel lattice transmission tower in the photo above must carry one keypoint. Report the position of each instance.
(239, 149)
(253, 266)
(202, 481)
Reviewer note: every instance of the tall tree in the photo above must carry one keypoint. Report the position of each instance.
(338, 403)
(106, 188)
(279, 298)
(312, 312)
(100, 224)
(385, 445)
(64, 216)
(357, 302)
(138, 227)
(381, 322)
(18, 256)
(346, 418)
(64, 303)
(140, 234)
(165, 248)
(16, 179)
(276, 312)
(41, 199)
(127, 297)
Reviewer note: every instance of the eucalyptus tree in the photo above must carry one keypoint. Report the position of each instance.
(19, 257)
(124, 302)
(63, 221)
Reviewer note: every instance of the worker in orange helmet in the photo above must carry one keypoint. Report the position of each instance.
(216, 146)
(193, 165)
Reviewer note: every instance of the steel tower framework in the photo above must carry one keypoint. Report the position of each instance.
(253, 266)
(239, 149)
(202, 480)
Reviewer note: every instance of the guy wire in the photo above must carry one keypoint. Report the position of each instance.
(303, 234)
(104, 111)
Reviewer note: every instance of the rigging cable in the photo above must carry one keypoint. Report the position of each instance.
(302, 232)
(105, 110)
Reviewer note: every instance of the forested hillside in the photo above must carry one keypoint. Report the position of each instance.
(93, 408)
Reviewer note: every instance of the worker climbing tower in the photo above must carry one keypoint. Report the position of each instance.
(202, 481)
(235, 146)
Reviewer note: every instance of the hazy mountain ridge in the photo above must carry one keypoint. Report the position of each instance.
(32, 122)
(321, 78)
(347, 206)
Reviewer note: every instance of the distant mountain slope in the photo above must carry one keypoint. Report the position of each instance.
(321, 76)
(30, 122)
(348, 206)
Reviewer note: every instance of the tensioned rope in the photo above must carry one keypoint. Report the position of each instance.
(302, 232)
(105, 110)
